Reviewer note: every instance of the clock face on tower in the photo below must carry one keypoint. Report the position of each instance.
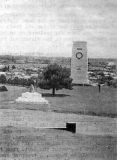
(79, 55)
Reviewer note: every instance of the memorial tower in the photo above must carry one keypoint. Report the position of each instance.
(79, 63)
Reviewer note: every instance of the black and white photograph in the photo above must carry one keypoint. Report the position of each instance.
(58, 80)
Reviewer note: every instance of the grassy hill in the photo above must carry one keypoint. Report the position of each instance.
(80, 100)
(54, 144)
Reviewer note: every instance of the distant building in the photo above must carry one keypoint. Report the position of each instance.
(34, 75)
(111, 63)
(2, 66)
(92, 68)
(8, 75)
(3, 73)
(20, 61)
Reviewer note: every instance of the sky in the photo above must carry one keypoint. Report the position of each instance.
(33, 27)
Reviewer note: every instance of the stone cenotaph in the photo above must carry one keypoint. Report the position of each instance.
(79, 63)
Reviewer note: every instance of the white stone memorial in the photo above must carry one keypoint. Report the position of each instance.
(79, 63)
(32, 97)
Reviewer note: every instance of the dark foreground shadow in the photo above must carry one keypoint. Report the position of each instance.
(56, 95)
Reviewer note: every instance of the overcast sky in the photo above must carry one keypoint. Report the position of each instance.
(53, 25)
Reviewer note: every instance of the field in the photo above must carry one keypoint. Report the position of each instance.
(58, 144)
(80, 100)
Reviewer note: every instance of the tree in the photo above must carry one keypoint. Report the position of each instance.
(109, 79)
(3, 79)
(16, 81)
(55, 77)
(29, 82)
(13, 67)
(114, 83)
(23, 82)
(10, 81)
(5, 69)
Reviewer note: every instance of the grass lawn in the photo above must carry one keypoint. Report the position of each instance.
(53, 144)
(80, 100)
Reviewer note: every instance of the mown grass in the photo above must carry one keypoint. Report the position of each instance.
(80, 100)
(54, 144)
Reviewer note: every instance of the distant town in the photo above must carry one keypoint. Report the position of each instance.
(30, 67)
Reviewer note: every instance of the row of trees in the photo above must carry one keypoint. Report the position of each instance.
(16, 81)
(20, 81)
